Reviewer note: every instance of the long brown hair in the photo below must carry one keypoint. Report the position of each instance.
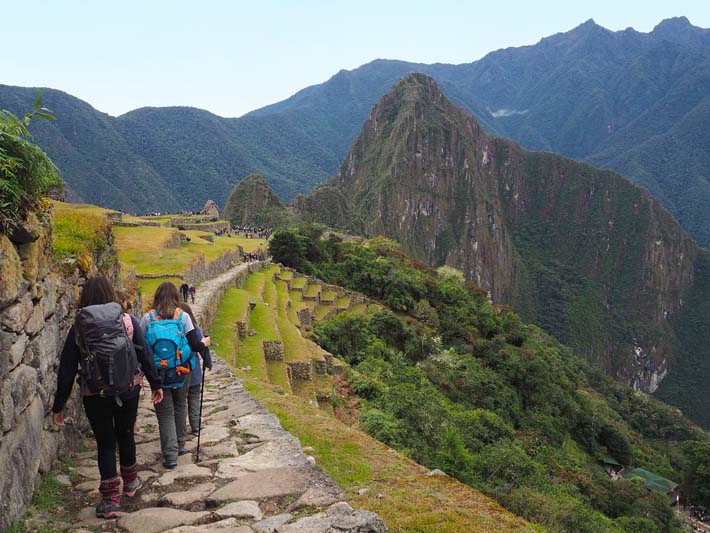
(166, 299)
(188, 310)
(98, 290)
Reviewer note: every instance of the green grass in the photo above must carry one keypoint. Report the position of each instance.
(254, 285)
(149, 285)
(286, 274)
(232, 308)
(328, 295)
(79, 230)
(313, 290)
(52, 500)
(322, 310)
(295, 346)
(298, 282)
(343, 303)
(282, 298)
(359, 308)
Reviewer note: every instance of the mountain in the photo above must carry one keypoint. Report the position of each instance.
(634, 102)
(584, 253)
(252, 202)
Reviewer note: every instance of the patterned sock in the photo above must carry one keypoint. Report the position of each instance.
(110, 488)
(129, 473)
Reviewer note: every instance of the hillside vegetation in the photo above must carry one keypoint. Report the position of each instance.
(464, 386)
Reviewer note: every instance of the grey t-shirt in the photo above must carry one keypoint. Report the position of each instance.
(186, 322)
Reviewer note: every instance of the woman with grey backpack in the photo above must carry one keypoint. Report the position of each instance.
(104, 347)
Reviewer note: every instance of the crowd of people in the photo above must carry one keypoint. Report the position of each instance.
(112, 352)
(699, 518)
(257, 255)
(254, 232)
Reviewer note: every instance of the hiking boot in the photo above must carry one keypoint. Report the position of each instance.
(169, 464)
(130, 489)
(182, 451)
(108, 508)
(109, 504)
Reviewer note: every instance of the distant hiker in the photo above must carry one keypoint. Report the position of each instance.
(105, 347)
(172, 337)
(196, 377)
(193, 290)
(185, 291)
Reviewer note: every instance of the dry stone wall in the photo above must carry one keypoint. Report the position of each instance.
(201, 271)
(36, 310)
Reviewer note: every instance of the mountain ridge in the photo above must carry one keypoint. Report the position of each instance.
(582, 252)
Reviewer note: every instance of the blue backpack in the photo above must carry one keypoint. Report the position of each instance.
(171, 351)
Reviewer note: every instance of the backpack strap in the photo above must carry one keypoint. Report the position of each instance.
(178, 313)
(128, 323)
(153, 315)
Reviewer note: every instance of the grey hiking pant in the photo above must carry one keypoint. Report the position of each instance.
(193, 406)
(171, 414)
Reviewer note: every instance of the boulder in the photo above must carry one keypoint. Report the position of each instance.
(15, 316)
(7, 406)
(27, 231)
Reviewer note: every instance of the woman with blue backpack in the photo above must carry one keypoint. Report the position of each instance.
(173, 338)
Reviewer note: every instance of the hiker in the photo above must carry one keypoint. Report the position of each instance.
(193, 290)
(109, 383)
(172, 338)
(184, 290)
(196, 377)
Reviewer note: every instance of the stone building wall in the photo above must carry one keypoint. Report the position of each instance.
(273, 350)
(201, 271)
(36, 310)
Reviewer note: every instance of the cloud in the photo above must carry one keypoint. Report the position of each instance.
(506, 112)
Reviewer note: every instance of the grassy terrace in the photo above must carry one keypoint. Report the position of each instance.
(78, 230)
(343, 303)
(312, 290)
(328, 295)
(298, 282)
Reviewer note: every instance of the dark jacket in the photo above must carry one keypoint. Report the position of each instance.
(196, 374)
(69, 367)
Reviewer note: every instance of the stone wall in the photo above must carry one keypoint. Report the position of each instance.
(201, 271)
(299, 370)
(36, 310)
(273, 350)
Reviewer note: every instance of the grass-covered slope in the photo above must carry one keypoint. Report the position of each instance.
(467, 387)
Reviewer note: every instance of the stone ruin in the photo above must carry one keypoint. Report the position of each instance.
(210, 210)
(273, 350)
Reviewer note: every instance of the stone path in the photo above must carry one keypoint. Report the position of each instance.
(252, 475)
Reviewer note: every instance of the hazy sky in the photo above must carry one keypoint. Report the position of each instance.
(234, 56)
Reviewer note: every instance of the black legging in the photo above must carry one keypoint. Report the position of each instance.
(112, 424)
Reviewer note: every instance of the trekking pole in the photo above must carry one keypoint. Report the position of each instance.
(202, 392)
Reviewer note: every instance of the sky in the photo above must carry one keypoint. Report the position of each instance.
(231, 57)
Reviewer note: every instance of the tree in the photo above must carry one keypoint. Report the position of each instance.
(289, 248)
(696, 482)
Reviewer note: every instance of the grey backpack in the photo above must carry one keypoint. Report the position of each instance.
(108, 362)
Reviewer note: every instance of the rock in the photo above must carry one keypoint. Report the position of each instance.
(364, 491)
(271, 524)
(341, 518)
(263, 484)
(10, 271)
(243, 509)
(87, 472)
(51, 441)
(88, 486)
(185, 472)
(436, 472)
(275, 454)
(317, 497)
(36, 320)
(156, 519)
(223, 526)
(193, 494)
(7, 406)
(63, 480)
(87, 518)
(223, 449)
(28, 230)
(24, 385)
(14, 317)
(213, 434)
(16, 352)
